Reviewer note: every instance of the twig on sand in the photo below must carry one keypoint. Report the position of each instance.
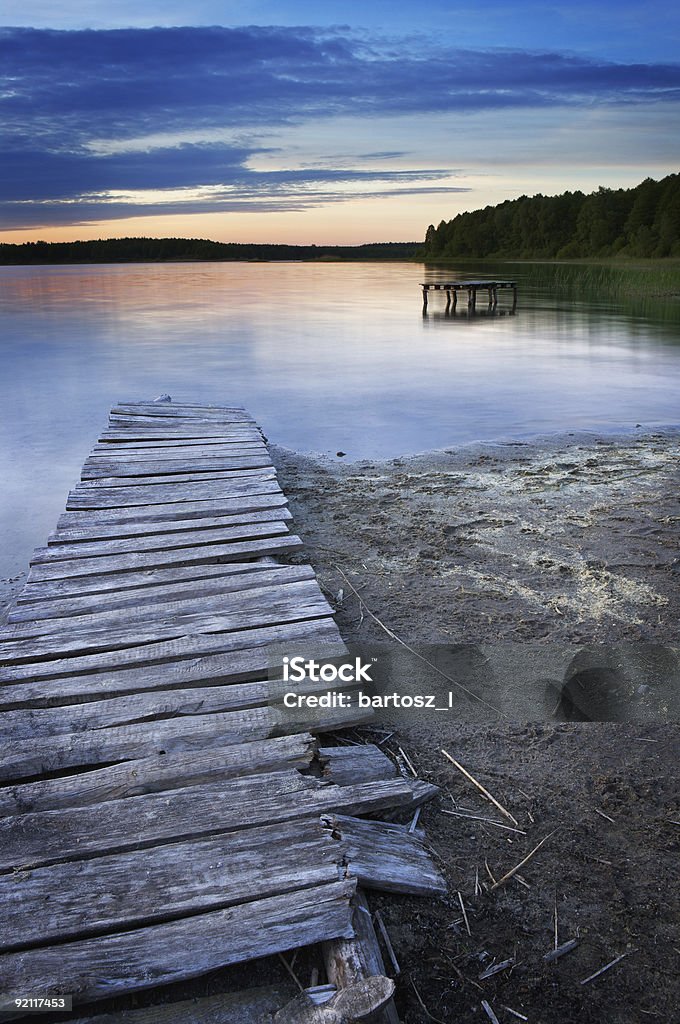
(291, 972)
(496, 969)
(489, 1012)
(516, 1013)
(603, 815)
(481, 788)
(465, 917)
(477, 817)
(422, 1005)
(388, 943)
(393, 635)
(559, 951)
(408, 762)
(591, 977)
(488, 871)
(521, 864)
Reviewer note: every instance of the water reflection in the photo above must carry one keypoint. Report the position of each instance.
(328, 357)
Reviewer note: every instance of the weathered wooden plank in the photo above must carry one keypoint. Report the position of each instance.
(144, 958)
(174, 510)
(161, 494)
(345, 765)
(158, 773)
(174, 450)
(104, 531)
(161, 657)
(165, 447)
(201, 432)
(134, 465)
(223, 475)
(46, 590)
(145, 886)
(31, 840)
(156, 542)
(136, 601)
(235, 551)
(250, 1006)
(236, 666)
(133, 420)
(349, 961)
(154, 403)
(387, 856)
(150, 705)
(256, 607)
(25, 759)
(153, 468)
(172, 411)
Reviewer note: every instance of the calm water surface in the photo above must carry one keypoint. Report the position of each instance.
(327, 357)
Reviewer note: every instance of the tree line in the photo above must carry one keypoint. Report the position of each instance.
(158, 250)
(642, 222)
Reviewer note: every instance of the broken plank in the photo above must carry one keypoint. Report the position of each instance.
(235, 551)
(144, 886)
(154, 595)
(360, 763)
(387, 856)
(25, 759)
(256, 607)
(144, 958)
(354, 959)
(31, 840)
(107, 546)
(158, 773)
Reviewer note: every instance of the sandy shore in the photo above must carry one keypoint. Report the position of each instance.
(568, 539)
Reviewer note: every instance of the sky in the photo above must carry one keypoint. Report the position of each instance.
(334, 123)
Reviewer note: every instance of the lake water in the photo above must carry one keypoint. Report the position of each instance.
(326, 356)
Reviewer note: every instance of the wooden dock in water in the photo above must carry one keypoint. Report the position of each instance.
(452, 288)
(161, 814)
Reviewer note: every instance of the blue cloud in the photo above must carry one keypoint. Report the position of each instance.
(60, 91)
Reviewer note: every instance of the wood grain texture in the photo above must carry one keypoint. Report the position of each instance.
(147, 957)
(388, 857)
(167, 652)
(158, 773)
(141, 887)
(235, 551)
(157, 542)
(31, 840)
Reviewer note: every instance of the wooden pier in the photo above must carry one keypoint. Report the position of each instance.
(161, 814)
(452, 288)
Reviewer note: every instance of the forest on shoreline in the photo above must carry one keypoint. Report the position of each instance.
(641, 222)
(165, 250)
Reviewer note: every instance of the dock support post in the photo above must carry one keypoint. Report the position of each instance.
(472, 299)
(424, 297)
(514, 298)
(455, 297)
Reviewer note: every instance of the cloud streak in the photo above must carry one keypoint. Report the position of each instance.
(69, 101)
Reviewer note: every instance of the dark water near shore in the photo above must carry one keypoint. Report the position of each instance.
(327, 357)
